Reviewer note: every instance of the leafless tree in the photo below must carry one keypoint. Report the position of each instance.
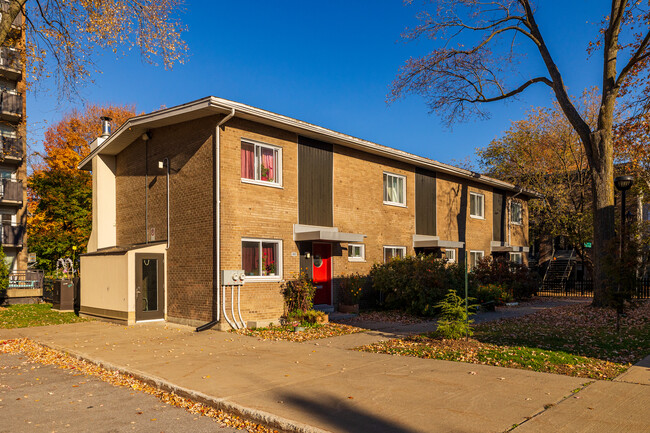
(458, 81)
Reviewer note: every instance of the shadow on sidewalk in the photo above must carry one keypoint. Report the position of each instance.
(343, 416)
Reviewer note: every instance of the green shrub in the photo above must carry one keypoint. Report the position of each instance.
(4, 274)
(517, 279)
(493, 293)
(352, 288)
(417, 283)
(299, 293)
(453, 323)
(306, 318)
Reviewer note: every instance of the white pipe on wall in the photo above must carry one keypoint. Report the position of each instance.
(243, 324)
(225, 315)
(232, 307)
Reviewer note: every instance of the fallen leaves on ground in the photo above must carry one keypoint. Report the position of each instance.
(28, 315)
(578, 340)
(43, 355)
(388, 316)
(287, 333)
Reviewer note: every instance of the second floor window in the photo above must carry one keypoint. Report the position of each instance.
(394, 189)
(476, 205)
(516, 212)
(261, 163)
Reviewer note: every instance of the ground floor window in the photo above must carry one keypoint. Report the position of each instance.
(474, 258)
(517, 258)
(450, 255)
(391, 252)
(356, 252)
(261, 258)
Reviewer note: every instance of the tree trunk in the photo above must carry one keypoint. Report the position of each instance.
(602, 184)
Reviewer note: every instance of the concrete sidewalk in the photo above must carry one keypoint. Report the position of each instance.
(326, 387)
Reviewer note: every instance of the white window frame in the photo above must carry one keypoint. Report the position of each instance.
(394, 247)
(482, 196)
(12, 212)
(278, 271)
(362, 250)
(451, 259)
(399, 176)
(481, 254)
(521, 258)
(514, 203)
(257, 146)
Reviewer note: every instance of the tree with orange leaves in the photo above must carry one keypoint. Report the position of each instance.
(60, 195)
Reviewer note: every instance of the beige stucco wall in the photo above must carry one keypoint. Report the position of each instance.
(104, 282)
(103, 232)
(108, 283)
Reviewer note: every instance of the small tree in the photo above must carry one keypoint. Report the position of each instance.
(4, 273)
(453, 323)
(299, 294)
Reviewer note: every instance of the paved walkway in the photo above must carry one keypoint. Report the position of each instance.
(339, 390)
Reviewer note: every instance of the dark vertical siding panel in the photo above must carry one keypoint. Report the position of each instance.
(315, 182)
(425, 202)
(499, 207)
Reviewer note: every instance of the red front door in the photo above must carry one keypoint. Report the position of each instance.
(322, 262)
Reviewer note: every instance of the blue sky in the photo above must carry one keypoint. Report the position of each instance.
(328, 63)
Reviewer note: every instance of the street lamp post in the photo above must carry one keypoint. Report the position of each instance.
(623, 183)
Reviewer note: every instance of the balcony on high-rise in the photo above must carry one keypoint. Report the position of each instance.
(11, 65)
(12, 149)
(11, 191)
(4, 8)
(12, 235)
(11, 105)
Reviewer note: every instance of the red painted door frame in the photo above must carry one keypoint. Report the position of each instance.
(322, 272)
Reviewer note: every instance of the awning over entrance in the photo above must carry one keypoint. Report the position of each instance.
(426, 241)
(302, 232)
(503, 247)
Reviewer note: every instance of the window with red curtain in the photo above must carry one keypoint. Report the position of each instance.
(260, 162)
(247, 161)
(250, 258)
(261, 258)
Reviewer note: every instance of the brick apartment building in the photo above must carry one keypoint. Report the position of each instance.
(214, 185)
(13, 172)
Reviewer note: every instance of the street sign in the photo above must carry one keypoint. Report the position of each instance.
(587, 244)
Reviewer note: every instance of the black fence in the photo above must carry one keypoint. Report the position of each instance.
(586, 289)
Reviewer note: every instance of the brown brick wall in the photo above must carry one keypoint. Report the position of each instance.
(265, 212)
(258, 211)
(189, 259)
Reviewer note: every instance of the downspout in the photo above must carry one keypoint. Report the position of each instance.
(217, 229)
(145, 137)
(166, 162)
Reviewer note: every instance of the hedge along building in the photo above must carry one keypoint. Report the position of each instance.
(181, 194)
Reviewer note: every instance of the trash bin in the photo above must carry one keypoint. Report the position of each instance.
(63, 295)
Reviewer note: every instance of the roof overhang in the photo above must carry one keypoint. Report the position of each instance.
(303, 232)
(502, 247)
(426, 241)
(136, 126)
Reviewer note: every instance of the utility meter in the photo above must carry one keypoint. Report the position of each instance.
(233, 277)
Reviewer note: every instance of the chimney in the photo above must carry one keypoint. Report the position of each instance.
(106, 126)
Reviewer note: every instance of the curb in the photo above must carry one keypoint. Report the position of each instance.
(265, 418)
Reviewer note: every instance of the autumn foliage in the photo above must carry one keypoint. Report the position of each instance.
(60, 195)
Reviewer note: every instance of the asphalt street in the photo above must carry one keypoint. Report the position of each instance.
(42, 398)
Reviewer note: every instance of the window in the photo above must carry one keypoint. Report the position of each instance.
(356, 252)
(450, 255)
(261, 163)
(517, 258)
(261, 258)
(394, 252)
(474, 258)
(394, 189)
(476, 205)
(516, 212)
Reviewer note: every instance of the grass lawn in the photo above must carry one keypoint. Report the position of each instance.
(27, 315)
(312, 332)
(577, 341)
